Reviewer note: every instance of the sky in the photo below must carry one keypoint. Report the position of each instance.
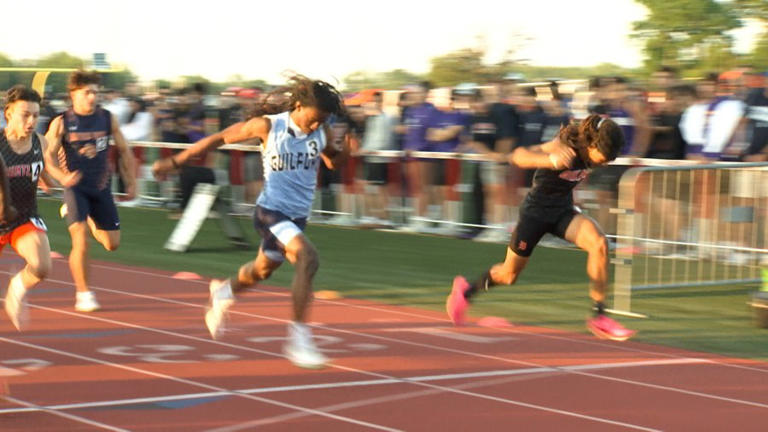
(320, 39)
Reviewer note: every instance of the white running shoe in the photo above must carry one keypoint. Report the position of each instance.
(300, 348)
(16, 307)
(221, 299)
(86, 302)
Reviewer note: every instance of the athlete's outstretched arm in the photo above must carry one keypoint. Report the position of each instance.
(51, 147)
(552, 154)
(126, 162)
(257, 127)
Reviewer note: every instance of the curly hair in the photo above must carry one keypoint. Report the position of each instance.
(308, 92)
(596, 132)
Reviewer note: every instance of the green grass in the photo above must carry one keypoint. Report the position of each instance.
(417, 270)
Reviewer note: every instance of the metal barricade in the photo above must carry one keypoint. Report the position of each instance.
(685, 226)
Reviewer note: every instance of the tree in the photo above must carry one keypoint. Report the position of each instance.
(7, 79)
(57, 82)
(465, 65)
(393, 79)
(755, 10)
(685, 33)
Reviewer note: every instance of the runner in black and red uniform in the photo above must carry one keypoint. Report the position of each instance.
(21, 149)
(548, 208)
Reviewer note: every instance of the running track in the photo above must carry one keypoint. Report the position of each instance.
(146, 363)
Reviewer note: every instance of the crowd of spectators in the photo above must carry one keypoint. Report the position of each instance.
(720, 117)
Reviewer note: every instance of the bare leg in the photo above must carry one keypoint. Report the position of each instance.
(253, 272)
(302, 254)
(109, 239)
(588, 236)
(78, 256)
(36, 251)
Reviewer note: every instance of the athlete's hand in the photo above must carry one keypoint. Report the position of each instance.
(89, 151)
(161, 167)
(562, 156)
(71, 178)
(130, 192)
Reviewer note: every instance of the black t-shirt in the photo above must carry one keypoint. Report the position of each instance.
(757, 126)
(230, 115)
(552, 125)
(668, 144)
(505, 118)
(530, 127)
(484, 130)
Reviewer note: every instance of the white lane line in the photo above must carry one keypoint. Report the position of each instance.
(6, 372)
(337, 385)
(345, 368)
(443, 332)
(68, 416)
(196, 384)
(385, 399)
(602, 344)
(393, 340)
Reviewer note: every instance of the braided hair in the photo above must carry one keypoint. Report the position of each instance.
(593, 132)
(308, 92)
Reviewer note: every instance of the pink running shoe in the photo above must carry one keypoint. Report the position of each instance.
(607, 328)
(456, 305)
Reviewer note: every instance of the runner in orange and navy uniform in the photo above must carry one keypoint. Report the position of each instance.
(79, 140)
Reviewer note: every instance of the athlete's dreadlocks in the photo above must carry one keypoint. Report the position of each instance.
(310, 93)
(596, 132)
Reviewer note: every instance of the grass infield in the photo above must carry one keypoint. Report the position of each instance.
(417, 270)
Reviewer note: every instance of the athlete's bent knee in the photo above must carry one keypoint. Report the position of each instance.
(41, 269)
(599, 247)
(262, 273)
(309, 259)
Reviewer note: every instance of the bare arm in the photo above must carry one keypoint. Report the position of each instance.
(51, 148)
(257, 127)
(127, 164)
(552, 155)
(47, 181)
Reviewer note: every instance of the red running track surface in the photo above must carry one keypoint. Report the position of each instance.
(146, 363)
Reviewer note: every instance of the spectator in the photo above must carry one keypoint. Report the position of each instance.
(417, 118)
(443, 135)
(115, 103)
(499, 137)
(379, 135)
(667, 141)
(200, 168)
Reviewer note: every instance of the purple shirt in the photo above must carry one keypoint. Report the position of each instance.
(418, 119)
(444, 120)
